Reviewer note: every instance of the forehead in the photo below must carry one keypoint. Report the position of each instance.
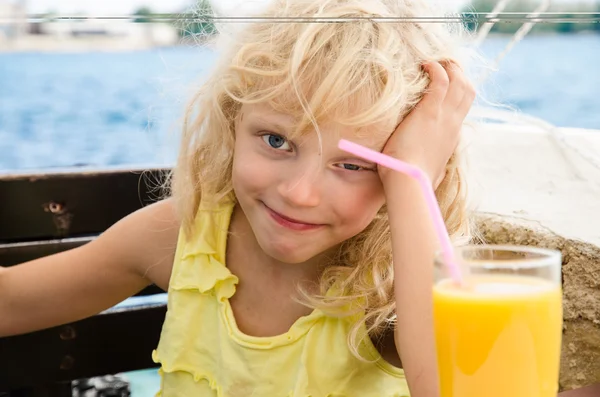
(373, 136)
(266, 113)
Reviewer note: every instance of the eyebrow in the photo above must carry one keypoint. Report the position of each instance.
(281, 126)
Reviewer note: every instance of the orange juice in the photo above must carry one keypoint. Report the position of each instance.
(498, 337)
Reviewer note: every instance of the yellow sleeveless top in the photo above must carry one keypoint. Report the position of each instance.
(203, 353)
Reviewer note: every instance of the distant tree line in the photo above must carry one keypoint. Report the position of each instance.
(197, 21)
(565, 10)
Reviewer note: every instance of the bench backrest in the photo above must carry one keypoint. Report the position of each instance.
(46, 213)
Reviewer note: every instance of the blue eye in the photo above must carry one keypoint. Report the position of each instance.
(276, 141)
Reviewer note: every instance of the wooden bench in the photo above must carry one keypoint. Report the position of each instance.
(46, 213)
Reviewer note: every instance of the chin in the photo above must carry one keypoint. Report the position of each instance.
(291, 257)
(286, 253)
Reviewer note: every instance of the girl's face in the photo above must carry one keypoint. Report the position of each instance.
(301, 201)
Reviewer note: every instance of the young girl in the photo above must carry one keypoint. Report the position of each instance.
(293, 268)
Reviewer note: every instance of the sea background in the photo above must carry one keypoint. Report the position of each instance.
(120, 109)
(123, 109)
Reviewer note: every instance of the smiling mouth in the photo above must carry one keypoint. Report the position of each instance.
(290, 223)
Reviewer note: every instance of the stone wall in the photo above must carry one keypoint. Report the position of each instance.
(580, 360)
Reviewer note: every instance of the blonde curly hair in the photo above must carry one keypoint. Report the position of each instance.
(360, 71)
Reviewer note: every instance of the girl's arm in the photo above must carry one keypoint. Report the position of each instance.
(57, 289)
(413, 245)
(426, 138)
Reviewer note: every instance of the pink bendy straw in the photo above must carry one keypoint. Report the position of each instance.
(415, 172)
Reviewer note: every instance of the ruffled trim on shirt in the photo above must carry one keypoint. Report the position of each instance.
(204, 275)
(202, 261)
(197, 375)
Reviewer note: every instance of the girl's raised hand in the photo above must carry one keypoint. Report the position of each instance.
(429, 134)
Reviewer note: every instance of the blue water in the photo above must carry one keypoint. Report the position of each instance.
(556, 78)
(115, 109)
(97, 109)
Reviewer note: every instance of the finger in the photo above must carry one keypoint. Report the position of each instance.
(437, 89)
(456, 87)
(461, 92)
(467, 100)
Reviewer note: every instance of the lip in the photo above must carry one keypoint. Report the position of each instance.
(290, 223)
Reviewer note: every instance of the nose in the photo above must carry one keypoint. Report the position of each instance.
(301, 188)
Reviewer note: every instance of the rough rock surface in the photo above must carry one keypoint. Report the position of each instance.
(580, 360)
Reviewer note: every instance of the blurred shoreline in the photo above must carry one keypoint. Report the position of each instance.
(139, 37)
(78, 37)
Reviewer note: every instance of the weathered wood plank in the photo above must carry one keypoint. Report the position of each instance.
(47, 213)
(109, 343)
(14, 253)
(49, 206)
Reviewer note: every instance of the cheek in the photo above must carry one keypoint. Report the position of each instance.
(241, 168)
(361, 210)
(250, 171)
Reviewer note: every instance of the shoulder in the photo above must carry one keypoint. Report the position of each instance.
(146, 240)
